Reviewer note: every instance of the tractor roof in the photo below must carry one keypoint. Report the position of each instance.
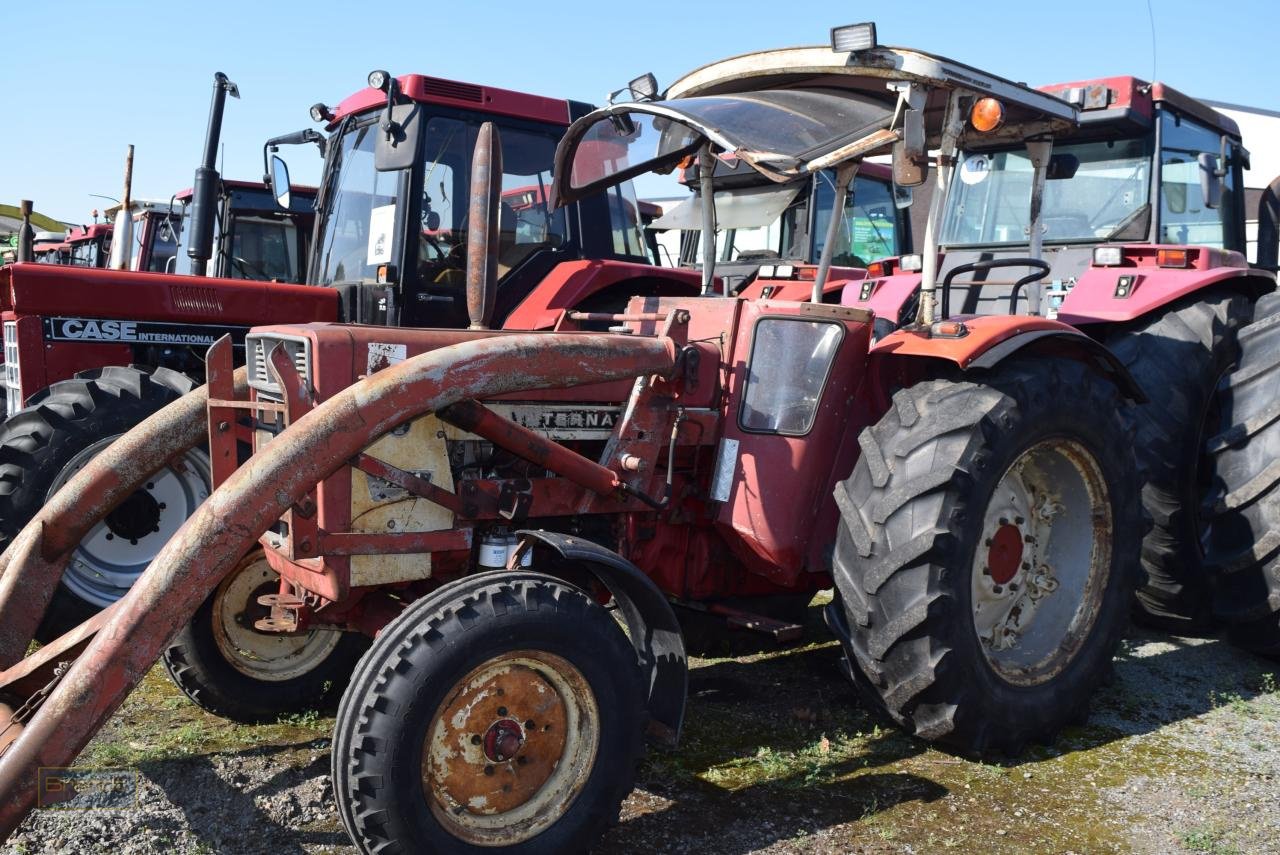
(1115, 98)
(790, 112)
(454, 93)
(89, 232)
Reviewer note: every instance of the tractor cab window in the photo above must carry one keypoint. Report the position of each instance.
(1189, 152)
(263, 249)
(868, 223)
(164, 246)
(525, 222)
(626, 221)
(790, 361)
(357, 227)
(85, 253)
(1106, 199)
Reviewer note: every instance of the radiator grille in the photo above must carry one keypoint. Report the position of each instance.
(12, 379)
(258, 346)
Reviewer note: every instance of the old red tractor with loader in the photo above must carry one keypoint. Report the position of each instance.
(85, 365)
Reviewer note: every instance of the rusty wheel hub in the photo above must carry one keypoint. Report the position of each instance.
(510, 748)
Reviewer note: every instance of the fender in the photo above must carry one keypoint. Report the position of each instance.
(571, 282)
(990, 339)
(1099, 295)
(651, 625)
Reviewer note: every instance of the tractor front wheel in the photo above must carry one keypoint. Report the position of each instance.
(229, 668)
(503, 712)
(60, 431)
(987, 554)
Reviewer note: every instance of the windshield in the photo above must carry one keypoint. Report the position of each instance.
(264, 249)
(357, 227)
(990, 198)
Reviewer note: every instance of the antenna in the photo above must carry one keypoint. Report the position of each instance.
(1151, 19)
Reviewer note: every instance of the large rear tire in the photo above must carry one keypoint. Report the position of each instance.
(988, 553)
(504, 712)
(1243, 511)
(1178, 357)
(230, 669)
(64, 427)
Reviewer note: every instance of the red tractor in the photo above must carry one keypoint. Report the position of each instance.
(474, 499)
(388, 247)
(1141, 247)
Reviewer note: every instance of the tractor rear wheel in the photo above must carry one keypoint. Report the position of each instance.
(988, 552)
(56, 435)
(1243, 512)
(234, 671)
(1178, 357)
(503, 711)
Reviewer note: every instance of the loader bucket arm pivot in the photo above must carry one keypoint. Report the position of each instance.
(212, 540)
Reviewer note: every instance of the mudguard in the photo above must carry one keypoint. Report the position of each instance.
(651, 626)
(987, 340)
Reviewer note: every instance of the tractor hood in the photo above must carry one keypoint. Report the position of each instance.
(789, 113)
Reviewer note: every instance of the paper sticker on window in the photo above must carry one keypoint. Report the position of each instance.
(382, 355)
(975, 169)
(382, 223)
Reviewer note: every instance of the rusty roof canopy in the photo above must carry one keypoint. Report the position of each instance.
(790, 112)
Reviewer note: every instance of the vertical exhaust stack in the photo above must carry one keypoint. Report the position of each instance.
(122, 234)
(482, 227)
(26, 234)
(204, 194)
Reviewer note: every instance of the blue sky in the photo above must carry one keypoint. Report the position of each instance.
(82, 82)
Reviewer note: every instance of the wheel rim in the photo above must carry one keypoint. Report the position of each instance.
(264, 656)
(1043, 561)
(510, 748)
(117, 550)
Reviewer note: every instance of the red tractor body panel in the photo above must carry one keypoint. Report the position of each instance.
(572, 282)
(1139, 285)
(799, 286)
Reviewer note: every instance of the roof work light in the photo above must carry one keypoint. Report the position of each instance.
(853, 37)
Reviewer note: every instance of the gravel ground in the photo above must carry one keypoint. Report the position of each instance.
(1180, 756)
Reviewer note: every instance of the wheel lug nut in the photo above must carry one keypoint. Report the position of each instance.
(522, 760)
(488, 770)
(476, 740)
(502, 710)
(528, 725)
(998, 589)
(1019, 520)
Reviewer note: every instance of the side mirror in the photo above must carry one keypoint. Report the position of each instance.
(280, 181)
(1062, 167)
(397, 141)
(910, 159)
(1210, 180)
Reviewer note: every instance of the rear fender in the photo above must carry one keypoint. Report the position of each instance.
(570, 283)
(651, 626)
(1125, 293)
(989, 341)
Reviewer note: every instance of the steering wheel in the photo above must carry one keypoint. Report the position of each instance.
(1041, 271)
(246, 268)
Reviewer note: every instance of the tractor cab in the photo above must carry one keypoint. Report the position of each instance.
(790, 115)
(1147, 167)
(50, 248)
(392, 214)
(775, 233)
(89, 245)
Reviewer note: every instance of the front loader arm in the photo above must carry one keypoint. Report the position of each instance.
(209, 544)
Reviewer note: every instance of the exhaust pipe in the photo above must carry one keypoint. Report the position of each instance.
(26, 235)
(204, 192)
(482, 227)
